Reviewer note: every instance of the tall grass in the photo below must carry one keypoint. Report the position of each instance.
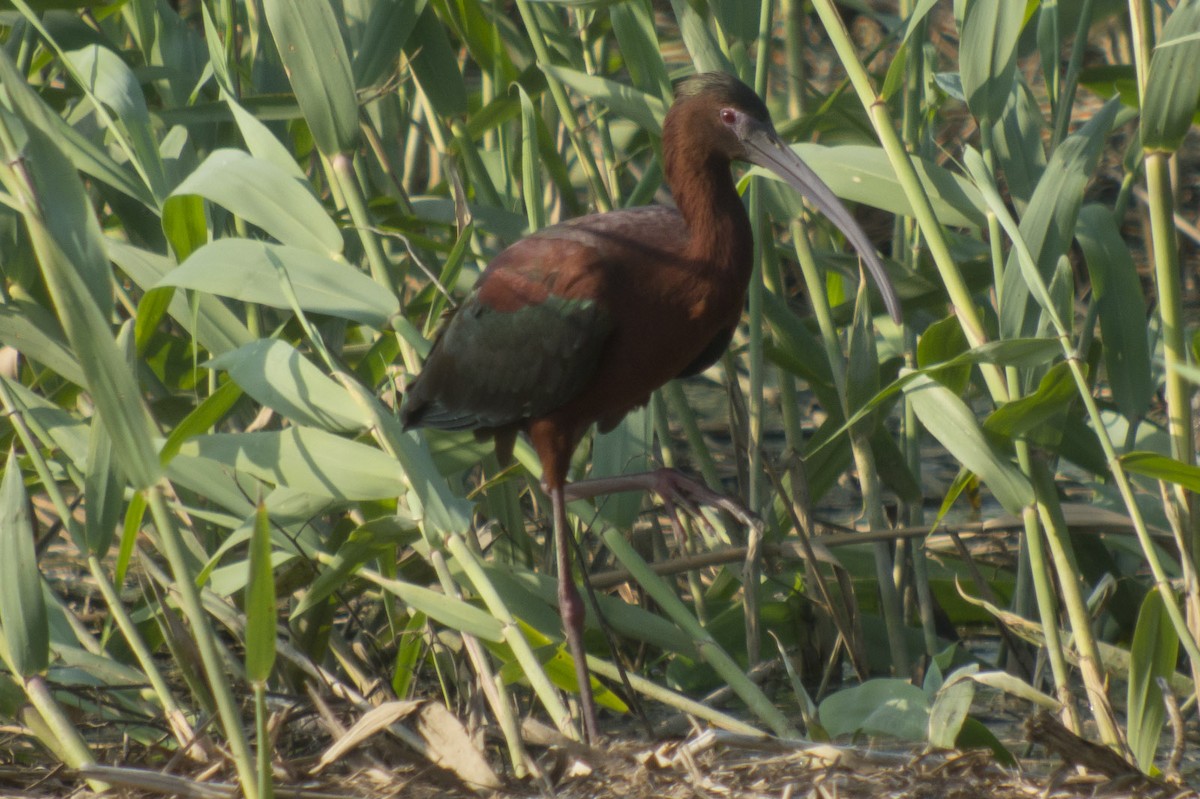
(231, 230)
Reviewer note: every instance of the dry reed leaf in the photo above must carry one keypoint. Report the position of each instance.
(451, 747)
(373, 721)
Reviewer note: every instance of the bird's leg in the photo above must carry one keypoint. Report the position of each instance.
(674, 487)
(570, 608)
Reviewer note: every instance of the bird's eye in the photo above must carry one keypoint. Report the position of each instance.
(728, 116)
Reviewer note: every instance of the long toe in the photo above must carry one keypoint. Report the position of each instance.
(689, 493)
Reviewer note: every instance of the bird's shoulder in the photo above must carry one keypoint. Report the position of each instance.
(573, 259)
(640, 225)
(651, 232)
(529, 335)
(506, 356)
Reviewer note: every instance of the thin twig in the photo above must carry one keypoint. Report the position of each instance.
(1171, 770)
(793, 551)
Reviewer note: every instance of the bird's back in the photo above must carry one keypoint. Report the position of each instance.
(531, 333)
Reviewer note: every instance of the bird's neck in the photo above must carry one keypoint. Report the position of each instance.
(719, 234)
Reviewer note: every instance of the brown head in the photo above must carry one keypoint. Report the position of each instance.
(715, 112)
(716, 119)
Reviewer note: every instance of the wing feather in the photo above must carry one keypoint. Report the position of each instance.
(494, 368)
(528, 337)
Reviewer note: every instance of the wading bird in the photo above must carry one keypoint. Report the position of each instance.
(578, 323)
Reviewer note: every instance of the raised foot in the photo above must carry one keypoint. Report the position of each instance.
(690, 494)
(676, 489)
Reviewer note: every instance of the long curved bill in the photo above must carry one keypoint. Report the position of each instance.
(767, 150)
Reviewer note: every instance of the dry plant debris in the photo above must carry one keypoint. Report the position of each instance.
(706, 766)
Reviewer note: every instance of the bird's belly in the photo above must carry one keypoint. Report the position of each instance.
(653, 351)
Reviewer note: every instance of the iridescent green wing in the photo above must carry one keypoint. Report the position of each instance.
(493, 368)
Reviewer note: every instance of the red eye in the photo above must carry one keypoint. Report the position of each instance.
(728, 116)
